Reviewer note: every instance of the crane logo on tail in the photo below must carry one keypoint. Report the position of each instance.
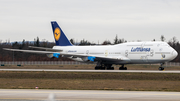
(57, 34)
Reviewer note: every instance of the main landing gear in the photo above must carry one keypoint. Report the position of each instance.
(109, 67)
(101, 66)
(161, 68)
(104, 66)
(122, 68)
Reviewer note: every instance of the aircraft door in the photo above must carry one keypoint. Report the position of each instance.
(151, 53)
(126, 53)
(143, 44)
(144, 58)
(87, 51)
(106, 53)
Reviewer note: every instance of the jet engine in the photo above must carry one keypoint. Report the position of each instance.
(50, 55)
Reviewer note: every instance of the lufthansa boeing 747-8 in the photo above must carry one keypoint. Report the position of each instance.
(107, 55)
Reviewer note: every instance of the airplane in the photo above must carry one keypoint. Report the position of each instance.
(107, 55)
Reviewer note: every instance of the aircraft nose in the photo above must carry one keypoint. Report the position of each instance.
(175, 54)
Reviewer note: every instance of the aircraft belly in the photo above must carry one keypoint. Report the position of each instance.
(117, 62)
(150, 61)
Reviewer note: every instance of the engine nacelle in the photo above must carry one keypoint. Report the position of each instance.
(50, 55)
(84, 59)
(89, 58)
(53, 55)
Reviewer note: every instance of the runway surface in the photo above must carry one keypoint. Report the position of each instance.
(115, 71)
(86, 95)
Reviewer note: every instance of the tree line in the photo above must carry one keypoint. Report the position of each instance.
(20, 56)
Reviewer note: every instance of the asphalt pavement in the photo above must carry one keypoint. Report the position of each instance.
(86, 95)
(111, 71)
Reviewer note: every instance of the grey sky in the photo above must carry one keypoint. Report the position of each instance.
(92, 20)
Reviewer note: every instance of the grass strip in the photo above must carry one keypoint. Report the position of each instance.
(89, 75)
(90, 81)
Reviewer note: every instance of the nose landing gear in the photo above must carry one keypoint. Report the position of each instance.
(161, 68)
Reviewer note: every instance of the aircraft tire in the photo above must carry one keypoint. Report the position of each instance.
(102, 68)
(112, 68)
(125, 68)
(97, 67)
(161, 68)
(121, 68)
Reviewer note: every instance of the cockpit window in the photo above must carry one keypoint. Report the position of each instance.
(163, 44)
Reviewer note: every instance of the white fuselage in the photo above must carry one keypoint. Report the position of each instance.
(126, 53)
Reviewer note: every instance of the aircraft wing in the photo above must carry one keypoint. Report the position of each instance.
(47, 49)
(96, 57)
(83, 56)
(30, 51)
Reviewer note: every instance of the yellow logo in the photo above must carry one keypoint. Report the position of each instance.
(57, 34)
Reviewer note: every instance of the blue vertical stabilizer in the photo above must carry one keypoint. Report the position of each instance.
(59, 36)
